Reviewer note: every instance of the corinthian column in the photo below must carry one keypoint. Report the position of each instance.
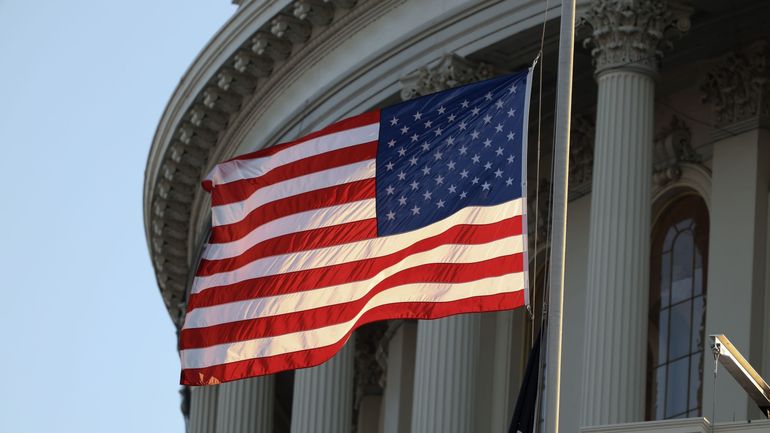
(323, 395)
(203, 409)
(626, 42)
(246, 406)
(447, 349)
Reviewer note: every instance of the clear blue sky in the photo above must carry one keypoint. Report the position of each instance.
(87, 345)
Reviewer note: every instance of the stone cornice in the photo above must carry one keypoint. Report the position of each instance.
(255, 43)
(738, 86)
(631, 34)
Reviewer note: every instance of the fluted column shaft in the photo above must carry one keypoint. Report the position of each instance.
(246, 406)
(445, 372)
(618, 252)
(323, 395)
(203, 409)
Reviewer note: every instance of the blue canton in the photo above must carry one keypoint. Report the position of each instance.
(442, 152)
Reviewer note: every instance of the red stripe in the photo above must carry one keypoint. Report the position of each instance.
(332, 314)
(293, 242)
(239, 190)
(309, 358)
(316, 199)
(470, 234)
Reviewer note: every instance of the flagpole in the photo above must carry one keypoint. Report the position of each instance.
(559, 212)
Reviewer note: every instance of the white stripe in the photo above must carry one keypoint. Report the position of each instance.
(320, 337)
(348, 292)
(234, 212)
(238, 169)
(308, 220)
(366, 249)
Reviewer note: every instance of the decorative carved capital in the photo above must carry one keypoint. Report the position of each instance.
(632, 34)
(738, 87)
(581, 156)
(368, 371)
(450, 71)
(673, 146)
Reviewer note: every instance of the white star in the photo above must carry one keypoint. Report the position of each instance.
(428, 124)
(415, 210)
(499, 104)
(452, 189)
(391, 216)
(413, 160)
(389, 166)
(415, 137)
(475, 111)
(401, 176)
(487, 119)
(404, 130)
(417, 116)
(402, 200)
(509, 181)
(391, 143)
(488, 96)
(462, 125)
(475, 135)
(475, 180)
(464, 174)
(511, 158)
(498, 173)
(511, 112)
(414, 185)
(511, 136)
(463, 149)
(451, 165)
(439, 179)
(427, 195)
(487, 143)
(476, 158)
(438, 131)
(465, 103)
(440, 203)
(437, 155)
(499, 127)
(485, 186)
(452, 117)
(425, 146)
(487, 166)
(441, 110)
(426, 170)
(499, 151)
(512, 89)
(463, 194)
(394, 121)
(401, 152)
(390, 190)
(450, 141)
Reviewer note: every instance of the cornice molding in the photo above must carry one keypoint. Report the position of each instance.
(192, 125)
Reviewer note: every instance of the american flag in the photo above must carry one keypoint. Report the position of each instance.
(415, 211)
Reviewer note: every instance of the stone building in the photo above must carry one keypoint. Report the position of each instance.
(667, 238)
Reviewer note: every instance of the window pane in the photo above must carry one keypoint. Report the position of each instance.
(669, 241)
(676, 392)
(698, 323)
(696, 373)
(679, 331)
(665, 279)
(681, 284)
(684, 224)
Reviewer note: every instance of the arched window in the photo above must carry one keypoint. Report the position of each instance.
(677, 313)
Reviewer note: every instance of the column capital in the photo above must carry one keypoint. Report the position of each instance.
(449, 71)
(738, 86)
(632, 34)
